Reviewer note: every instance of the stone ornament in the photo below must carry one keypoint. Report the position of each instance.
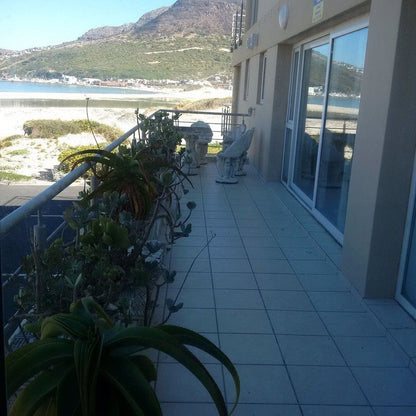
(201, 144)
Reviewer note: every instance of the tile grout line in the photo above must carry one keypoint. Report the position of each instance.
(317, 313)
(265, 308)
(213, 296)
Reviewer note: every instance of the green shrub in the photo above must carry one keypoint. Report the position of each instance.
(19, 152)
(8, 141)
(200, 105)
(52, 129)
(214, 148)
(13, 177)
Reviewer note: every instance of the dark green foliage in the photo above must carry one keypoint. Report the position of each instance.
(111, 252)
(85, 365)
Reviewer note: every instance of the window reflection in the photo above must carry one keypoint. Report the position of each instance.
(344, 91)
(310, 119)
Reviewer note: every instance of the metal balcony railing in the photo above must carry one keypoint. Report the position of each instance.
(238, 28)
(221, 124)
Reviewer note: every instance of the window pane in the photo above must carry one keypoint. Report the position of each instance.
(261, 79)
(346, 74)
(246, 79)
(254, 11)
(310, 119)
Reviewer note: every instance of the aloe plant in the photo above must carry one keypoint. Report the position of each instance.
(129, 172)
(85, 365)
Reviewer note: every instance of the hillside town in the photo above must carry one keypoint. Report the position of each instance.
(139, 83)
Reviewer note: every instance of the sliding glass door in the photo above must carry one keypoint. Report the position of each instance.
(326, 78)
(406, 287)
(315, 62)
(338, 137)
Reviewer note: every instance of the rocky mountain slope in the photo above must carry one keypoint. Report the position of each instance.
(109, 31)
(187, 17)
(190, 39)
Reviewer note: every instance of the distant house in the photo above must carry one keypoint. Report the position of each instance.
(92, 81)
(331, 85)
(69, 79)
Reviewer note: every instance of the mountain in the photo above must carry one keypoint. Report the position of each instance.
(109, 31)
(187, 17)
(105, 32)
(188, 40)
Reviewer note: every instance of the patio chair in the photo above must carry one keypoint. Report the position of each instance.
(233, 135)
(230, 162)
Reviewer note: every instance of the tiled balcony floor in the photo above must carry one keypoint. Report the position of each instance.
(269, 292)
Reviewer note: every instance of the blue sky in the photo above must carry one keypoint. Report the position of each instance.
(29, 23)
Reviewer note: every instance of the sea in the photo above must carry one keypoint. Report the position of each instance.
(40, 87)
(37, 87)
(336, 101)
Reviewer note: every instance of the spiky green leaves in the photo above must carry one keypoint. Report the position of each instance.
(84, 365)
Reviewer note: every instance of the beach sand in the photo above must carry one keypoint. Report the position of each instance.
(14, 115)
(38, 158)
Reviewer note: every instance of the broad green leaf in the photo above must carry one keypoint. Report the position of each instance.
(47, 408)
(131, 383)
(90, 304)
(65, 324)
(188, 337)
(156, 338)
(146, 366)
(67, 396)
(29, 360)
(87, 357)
(38, 391)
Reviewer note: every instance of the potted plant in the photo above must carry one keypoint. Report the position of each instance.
(85, 365)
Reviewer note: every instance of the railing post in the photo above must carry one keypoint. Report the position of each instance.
(3, 394)
(235, 30)
(240, 37)
(40, 234)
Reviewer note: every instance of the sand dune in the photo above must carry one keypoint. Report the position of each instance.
(34, 157)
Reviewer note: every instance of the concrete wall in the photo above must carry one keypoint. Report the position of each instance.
(384, 151)
(386, 136)
(269, 118)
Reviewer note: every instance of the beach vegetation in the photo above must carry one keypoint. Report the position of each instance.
(13, 177)
(19, 152)
(214, 148)
(201, 105)
(8, 141)
(55, 128)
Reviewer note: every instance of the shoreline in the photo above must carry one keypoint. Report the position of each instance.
(156, 93)
(38, 157)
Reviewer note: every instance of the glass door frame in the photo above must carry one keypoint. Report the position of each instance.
(293, 125)
(295, 132)
(410, 228)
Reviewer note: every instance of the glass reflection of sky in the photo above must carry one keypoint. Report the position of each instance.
(343, 52)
